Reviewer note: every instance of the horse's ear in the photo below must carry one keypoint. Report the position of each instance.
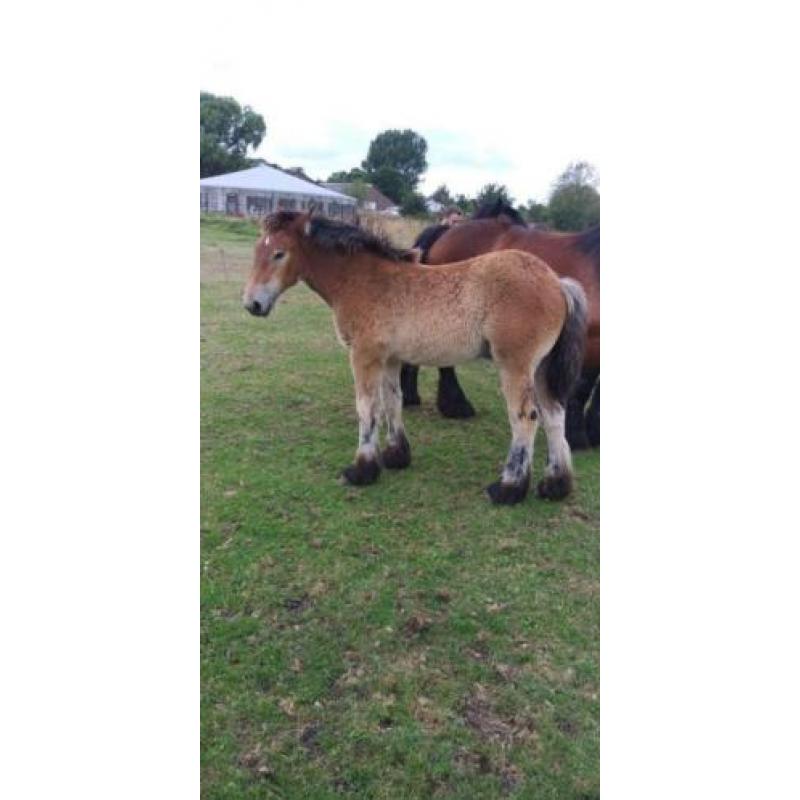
(312, 208)
(415, 255)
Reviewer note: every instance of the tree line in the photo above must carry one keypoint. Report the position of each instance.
(395, 162)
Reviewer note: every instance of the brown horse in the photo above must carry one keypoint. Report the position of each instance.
(388, 309)
(498, 226)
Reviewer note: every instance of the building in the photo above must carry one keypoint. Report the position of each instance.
(434, 206)
(261, 190)
(374, 200)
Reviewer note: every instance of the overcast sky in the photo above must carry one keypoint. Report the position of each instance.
(506, 97)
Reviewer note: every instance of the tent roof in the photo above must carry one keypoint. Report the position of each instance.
(269, 179)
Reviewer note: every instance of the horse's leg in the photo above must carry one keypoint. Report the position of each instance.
(450, 398)
(408, 382)
(397, 453)
(368, 374)
(516, 478)
(576, 410)
(593, 417)
(557, 481)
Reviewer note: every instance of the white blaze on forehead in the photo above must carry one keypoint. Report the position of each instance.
(266, 240)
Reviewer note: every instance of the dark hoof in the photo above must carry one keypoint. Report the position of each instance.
(411, 400)
(508, 493)
(554, 487)
(398, 455)
(455, 409)
(362, 473)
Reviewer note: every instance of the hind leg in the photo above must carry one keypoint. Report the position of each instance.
(408, 383)
(516, 478)
(450, 398)
(593, 417)
(397, 453)
(576, 410)
(557, 482)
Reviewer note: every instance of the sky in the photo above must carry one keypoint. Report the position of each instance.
(501, 97)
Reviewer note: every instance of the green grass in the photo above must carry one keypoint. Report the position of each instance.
(404, 640)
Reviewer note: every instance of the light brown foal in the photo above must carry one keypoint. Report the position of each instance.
(508, 305)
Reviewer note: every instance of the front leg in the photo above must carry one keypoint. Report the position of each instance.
(367, 371)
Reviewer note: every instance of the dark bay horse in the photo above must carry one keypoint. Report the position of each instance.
(497, 226)
(389, 309)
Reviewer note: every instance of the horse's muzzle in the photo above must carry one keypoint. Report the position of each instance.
(258, 309)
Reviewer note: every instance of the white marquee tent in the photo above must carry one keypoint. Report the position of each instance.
(262, 190)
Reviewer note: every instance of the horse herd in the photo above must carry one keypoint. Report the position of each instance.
(488, 287)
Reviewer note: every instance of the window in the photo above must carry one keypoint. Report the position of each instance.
(258, 206)
(286, 203)
(204, 201)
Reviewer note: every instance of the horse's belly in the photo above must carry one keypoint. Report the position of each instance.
(435, 347)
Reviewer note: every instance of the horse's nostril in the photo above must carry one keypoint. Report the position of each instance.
(255, 307)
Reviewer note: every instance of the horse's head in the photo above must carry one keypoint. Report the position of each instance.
(276, 261)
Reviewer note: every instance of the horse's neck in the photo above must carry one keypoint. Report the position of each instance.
(331, 275)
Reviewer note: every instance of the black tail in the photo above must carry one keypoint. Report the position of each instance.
(565, 360)
(428, 238)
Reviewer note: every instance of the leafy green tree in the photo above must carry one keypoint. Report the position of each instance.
(413, 205)
(402, 152)
(390, 182)
(493, 191)
(358, 188)
(347, 176)
(442, 195)
(226, 132)
(535, 212)
(577, 173)
(575, 202)
(464, 204)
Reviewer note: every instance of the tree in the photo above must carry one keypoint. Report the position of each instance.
(390, 182)
(464, 204)
(414, 205)
(493, 191)
(357, 188)
(226, 132)
(575, 202)
(442, 195)
(402, 152)
(535, 212)
(347, 176)
(578, 173)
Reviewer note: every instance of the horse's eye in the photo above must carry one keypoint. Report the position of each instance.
(278, 255)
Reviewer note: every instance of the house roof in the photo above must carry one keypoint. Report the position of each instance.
(382, 202)
(269, 179)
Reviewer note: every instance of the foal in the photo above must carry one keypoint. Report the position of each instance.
(508, 305)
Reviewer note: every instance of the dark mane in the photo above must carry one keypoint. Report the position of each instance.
(428, 238)
(334, 236)
(589, 243)
(499, 207)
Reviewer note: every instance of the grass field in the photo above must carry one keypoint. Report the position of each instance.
(404, 640)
